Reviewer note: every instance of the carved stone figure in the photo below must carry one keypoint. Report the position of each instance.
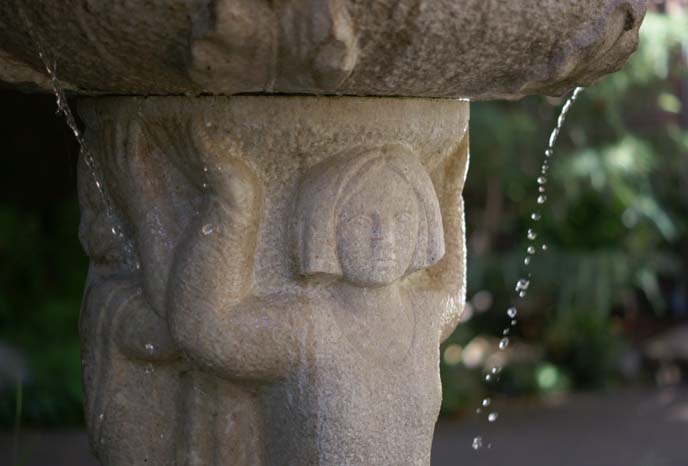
(193, 358)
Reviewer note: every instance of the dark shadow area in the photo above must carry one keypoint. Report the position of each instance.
(43, 268)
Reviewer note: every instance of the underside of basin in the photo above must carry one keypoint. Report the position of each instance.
(475, 49)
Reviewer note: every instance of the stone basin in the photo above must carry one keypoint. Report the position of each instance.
(475, 49)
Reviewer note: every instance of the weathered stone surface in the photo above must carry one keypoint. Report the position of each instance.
(477, 49)
(271, 277)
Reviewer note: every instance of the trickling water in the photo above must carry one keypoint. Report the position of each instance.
(63, 108)
(50, 66)
(523, 284)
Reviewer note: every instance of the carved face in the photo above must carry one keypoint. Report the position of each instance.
(377, 229)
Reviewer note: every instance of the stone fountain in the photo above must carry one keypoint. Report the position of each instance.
(271, 202)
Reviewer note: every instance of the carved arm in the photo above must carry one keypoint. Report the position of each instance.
(214, 319)
(448, 274)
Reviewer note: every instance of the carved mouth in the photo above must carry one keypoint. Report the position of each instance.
(385, 262)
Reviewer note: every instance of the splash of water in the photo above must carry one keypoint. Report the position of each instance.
(523, 283)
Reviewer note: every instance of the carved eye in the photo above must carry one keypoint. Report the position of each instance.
(361, 221)
(403, 217)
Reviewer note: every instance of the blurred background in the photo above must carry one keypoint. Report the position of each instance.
(595, 373)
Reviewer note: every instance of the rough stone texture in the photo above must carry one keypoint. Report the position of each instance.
(477, 49)
(271, 277)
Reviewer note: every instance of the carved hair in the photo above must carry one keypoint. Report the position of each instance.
(329, 184)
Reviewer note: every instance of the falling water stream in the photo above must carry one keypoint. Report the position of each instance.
(63, 108)
(50, 66)
(523, 283)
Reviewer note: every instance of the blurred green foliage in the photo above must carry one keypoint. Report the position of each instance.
(43, 267)
(43, 275)
(615, 225)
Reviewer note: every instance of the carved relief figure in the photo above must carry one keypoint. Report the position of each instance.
(260, 45)
(345, 370)
(338, 367)
(130, 364)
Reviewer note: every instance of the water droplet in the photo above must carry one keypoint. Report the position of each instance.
(514, 322)
(150, 348)
(208, 124)
(486, 402)
(522, 294)
(542, 199)
(542, 180)
(526, 261)
(503, 343)
(207, 229)
(101, 416)
(549, 153)
(544, 247)
(531, 250)
(522, 284)
(505, 331)
(542, 190)
(512, 312)
(205, 185)
(495, 370)
(488, 377)
(531, 234)
(492, 417)
(555, 134)
(535, 217)
(478, 411)
(477, 443)
(205, 169)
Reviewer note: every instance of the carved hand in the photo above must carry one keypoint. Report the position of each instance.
(317, 34)
(142, 334)
(227, 179)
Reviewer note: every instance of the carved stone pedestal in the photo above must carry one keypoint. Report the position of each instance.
(272, 277)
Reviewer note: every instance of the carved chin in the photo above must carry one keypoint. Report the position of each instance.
(378, 274)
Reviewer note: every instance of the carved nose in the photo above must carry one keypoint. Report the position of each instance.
(383, 235)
